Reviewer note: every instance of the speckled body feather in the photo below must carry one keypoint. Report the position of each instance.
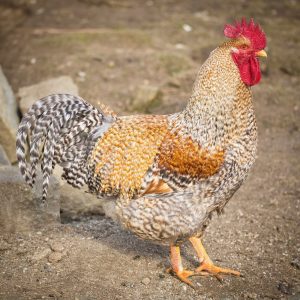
(219, 121)
(165, 174)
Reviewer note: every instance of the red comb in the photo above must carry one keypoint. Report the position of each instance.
(251, 31)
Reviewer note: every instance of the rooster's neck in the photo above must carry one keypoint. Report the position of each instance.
(220, 107)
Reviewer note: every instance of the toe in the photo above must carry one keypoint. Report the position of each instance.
(214, 270)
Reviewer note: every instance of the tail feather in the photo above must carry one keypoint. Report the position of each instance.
(60, 130)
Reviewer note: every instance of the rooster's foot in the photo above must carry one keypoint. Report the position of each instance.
(210, 269)
(207, 267)
(177, 268)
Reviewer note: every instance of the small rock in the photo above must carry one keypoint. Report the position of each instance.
(39, 255)
(48, 268)
(202, 15)
(33, 61)
(4, 245)
(111, 64)
(57, 247)
(146, 281)
(136, 257)
(30, 94)
(180, 46)
(146, 98)
(249, 295)
(3, 157)
(55, 257)
(285, 288)
(296, 263)
(174, 83)
(187, 27)
(9, 119)
(81, 76)
(22, 251)
(149, 3)
(40, 11)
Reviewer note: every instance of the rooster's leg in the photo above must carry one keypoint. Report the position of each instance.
(177, 267)
(206, 264)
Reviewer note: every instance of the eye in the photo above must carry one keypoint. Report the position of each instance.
(244, 47)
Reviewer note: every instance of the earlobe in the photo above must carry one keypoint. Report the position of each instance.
(234, 50)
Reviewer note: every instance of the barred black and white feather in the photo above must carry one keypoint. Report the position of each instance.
(59, 129)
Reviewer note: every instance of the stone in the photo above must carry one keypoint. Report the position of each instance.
(296, 263)
(9, 119)
(76, 202)
(248, 295)
(56, 247)
(285, 288)
(187, 27)
(55, 257)
(146, 98)
(40, 254)
(4, 161)
(21, 208)
(146, 281)
(4, 246)
(30, 94)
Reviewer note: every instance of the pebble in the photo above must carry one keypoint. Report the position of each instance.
(4, 246)
(248, 295)
(149, 3)
(146, 281)
(81, 76)
(180, 46)
(296, 263)
(57, 247)
(55, 257)
(22, 251)
(187, 28)
(111, 64)
(39, 255)
(40, 11)
(284, 287)
(174, 83)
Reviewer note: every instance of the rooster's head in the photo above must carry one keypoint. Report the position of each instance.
(248, 43)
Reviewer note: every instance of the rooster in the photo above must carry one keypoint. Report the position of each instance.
(166, 174)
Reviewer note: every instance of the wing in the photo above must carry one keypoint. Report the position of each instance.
(121, 158)
(181, 162)
(140, 155)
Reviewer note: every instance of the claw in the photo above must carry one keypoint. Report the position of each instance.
(184, 275)
(214, 270)
(207, 267)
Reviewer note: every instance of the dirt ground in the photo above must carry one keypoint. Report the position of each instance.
(120, 46)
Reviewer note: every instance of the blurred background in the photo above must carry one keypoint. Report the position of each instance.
(142, 57)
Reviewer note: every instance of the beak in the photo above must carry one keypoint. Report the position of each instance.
(261, 53)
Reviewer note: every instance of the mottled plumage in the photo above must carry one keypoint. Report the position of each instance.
(165, 174)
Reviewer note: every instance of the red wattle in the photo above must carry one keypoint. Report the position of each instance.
(248, 67)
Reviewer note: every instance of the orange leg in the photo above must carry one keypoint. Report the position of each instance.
(206, 264)
(177, 267)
